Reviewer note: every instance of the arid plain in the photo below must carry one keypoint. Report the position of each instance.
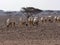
(43, 34)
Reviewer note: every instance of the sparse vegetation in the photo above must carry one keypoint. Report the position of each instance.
(35, 31)
(30, 11)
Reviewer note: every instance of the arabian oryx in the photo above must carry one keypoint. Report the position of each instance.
(10, 22)
(35, 20)
(50, 19)
(58, 19)
(55, 19)
(30, 21)
(22, 21)
(43, 20)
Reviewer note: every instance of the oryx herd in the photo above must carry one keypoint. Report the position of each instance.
(32, 21)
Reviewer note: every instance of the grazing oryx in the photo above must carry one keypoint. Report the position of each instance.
(10, 22)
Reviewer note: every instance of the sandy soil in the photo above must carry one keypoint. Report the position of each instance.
(47, 34)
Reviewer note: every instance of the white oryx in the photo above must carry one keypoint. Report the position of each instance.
(30, 21)
(43, 20)
(7, 22)
(22, 21)
(55, 19)
(58, 19)
(50, 19)
(10, 22)
(46, 19)
(36, 20)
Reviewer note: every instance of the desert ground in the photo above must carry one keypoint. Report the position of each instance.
(44, 34)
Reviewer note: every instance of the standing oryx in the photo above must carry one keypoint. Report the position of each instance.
(35, 20)
(50, 19)
(10, 22)
(55, 19)
(22, 21)
(42, 20)
(58, 19)
(46, 19)
(30, 21)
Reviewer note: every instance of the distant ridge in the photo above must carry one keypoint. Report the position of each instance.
(31, 11)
